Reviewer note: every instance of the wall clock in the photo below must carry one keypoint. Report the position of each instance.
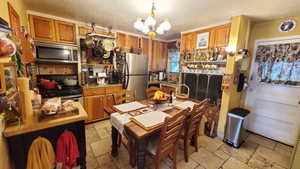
(287, 26)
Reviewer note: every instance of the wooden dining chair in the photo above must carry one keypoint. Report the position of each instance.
(192, 125)
(125, 96)
(150, 91)
(166, 144)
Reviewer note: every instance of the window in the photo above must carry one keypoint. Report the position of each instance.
(173, 60)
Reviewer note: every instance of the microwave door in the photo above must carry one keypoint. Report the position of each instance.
(53, 53)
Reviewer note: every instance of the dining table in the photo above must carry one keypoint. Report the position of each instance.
(138, 135)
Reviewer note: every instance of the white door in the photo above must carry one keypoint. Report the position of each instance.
(275, 108)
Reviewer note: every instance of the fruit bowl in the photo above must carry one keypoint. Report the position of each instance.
(160, 97)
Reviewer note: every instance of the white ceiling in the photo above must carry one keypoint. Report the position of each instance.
(184, 14)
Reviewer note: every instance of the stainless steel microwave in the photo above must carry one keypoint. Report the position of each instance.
(55, 52)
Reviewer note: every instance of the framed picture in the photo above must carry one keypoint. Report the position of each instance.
(202, 40)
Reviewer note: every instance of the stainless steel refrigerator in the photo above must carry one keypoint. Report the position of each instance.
(137, 74)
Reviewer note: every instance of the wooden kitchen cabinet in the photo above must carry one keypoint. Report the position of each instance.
(96, 98)
(94, 106)
(145, 45)
(132, 42)
(121, 40)
(222, 36)
(218, 37)
(65, 32)
(128, 42)
(47, 29)
(14, 20)
(159, 58)
(42, 28)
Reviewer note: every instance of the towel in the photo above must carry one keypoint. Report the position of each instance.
(67, 150)
(41, 154)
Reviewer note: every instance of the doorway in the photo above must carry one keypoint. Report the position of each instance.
(275, 103)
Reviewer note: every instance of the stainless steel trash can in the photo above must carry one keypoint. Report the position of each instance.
(235, 131)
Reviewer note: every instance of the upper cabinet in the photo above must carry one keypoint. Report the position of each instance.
(47, 29)
(159, 57)
(218, 37)
(42, 28)
(65, 32)
(128, 43)
(222, 35)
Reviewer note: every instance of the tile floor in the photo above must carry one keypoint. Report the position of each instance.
(256, 153)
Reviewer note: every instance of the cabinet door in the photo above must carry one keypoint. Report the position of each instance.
(191, 44)
(121, 40)
(145, 47)
(42, 28)
(94, 106)
(14, 20)
(65, 32)
(222, 36)
(132, 42)
(184, 41)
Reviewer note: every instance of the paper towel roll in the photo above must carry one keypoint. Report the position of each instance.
(23, 84)
(26, 106)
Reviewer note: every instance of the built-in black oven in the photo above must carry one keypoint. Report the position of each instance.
(47, 51)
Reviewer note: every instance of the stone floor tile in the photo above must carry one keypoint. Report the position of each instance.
(104, 159)
(264, 158)
(103, 133)
(91, 162)
(199, 167)
(102, 124)
(284, 149)
(207, 159)
(232, 163)
(91, 135)
(110, 165)
(210, 144)
(190, 165)
(222, 154)
(263, 141)
(242, 153)
(101, 147)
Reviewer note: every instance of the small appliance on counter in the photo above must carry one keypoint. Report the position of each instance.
(101, 78)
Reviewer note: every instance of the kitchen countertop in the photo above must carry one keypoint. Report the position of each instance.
(96, 86)
(35, 126)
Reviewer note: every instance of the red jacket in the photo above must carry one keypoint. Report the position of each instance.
(67, 150)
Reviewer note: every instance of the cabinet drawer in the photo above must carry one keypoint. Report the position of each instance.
(113, 89)
(94, 91)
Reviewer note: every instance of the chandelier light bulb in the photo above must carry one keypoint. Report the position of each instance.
(145, 29)
(166, 25)
(160, 30)
(138, 24)
(150, 21)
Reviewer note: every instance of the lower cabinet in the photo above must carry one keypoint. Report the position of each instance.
(94, 105)
(96, 99)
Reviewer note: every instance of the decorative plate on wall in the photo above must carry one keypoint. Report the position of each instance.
(287, 26)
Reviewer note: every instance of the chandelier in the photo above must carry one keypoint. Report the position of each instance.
(148, 25)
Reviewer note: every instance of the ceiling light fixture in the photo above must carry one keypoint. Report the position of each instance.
(147, 26)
